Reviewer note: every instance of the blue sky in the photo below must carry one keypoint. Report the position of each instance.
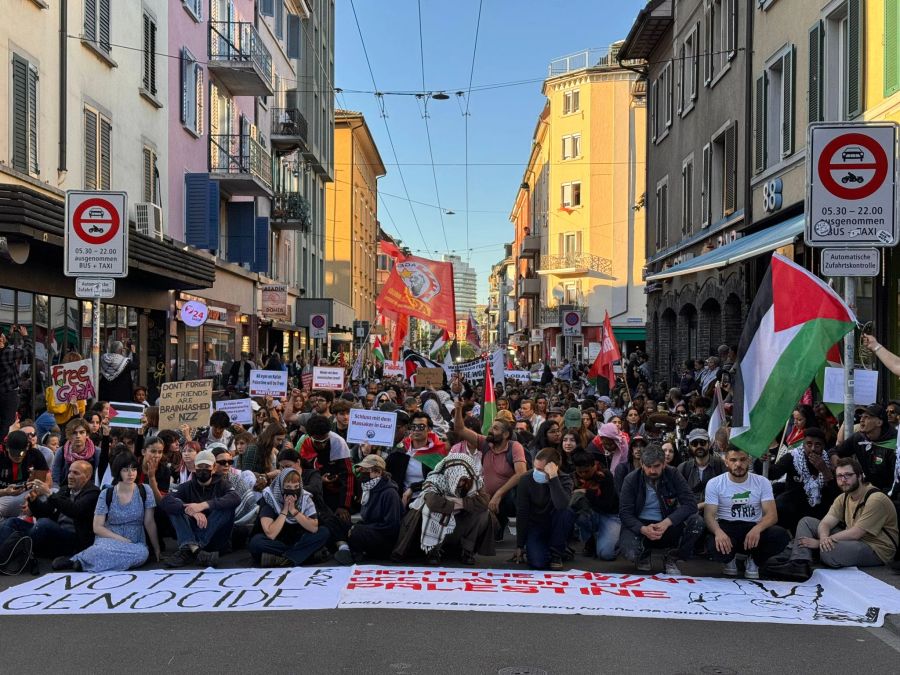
(517, 39)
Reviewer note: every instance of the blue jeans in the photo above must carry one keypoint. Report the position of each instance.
(546, 539)
(605, 528)
(213, 537)
(298, 552)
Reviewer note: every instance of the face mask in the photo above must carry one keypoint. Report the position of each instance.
(364, 476)
(540, 476)
(291, 493)
(202, 475)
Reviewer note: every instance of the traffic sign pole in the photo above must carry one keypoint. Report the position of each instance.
(95, 342)
(849, 356)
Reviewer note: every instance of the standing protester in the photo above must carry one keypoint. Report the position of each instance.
(13, 348)
(116, 383)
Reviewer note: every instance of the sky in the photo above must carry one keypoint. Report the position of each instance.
(517, 39)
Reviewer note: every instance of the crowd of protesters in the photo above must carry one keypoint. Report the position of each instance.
(560, 470)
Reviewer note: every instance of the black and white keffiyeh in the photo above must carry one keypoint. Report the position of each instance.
(444, 481)
(812, 485)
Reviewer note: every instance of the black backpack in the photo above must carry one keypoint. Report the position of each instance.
(15, 554)
(529, 460)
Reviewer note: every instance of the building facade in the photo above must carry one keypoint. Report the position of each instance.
(465, 282)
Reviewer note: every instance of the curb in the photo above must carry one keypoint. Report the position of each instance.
(892, 624)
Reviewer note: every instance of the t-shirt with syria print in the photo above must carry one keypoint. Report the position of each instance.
(739, 501)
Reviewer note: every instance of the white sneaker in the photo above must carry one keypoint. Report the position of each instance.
(751, 571)
(672, 567)
(730, 569)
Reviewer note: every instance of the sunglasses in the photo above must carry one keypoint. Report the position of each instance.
(695, 444)
(225, 462)
(418, 427)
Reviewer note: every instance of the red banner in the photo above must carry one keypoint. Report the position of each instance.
(609, 354)
(420, 288)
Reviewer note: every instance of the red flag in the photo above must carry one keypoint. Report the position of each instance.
(420, 288)
(391, 249)
(401, 328)
(609, 354)
(472, 336)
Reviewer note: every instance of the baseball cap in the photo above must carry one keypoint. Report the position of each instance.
(372, 462)
(555, 410)
(875, 410)
(16, 442)
(605, 399)
(698, 435)
(205, 457)
(572, 418)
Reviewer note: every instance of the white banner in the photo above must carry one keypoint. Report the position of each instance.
(239, 410)
(328, 378)
(268, 383)
(371, 426)
(473, 371)
(865, 386)
(518, 375)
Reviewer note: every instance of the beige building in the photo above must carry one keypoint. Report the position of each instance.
(351, 216)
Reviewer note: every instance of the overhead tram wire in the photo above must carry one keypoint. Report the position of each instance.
(466, 115)
(437, 192)
(387, 127)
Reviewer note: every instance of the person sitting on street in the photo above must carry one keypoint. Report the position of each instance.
(122, 515)
(323, 450)
(18, 463)
(289, 529)
(701, 467)
(657, 510)
(381, 513)
(543, 517)
(874, 447)
(809, 488)
(596, 506)
(741, 517)
(421, 450)
(245, 513)
(635, 448)
(78, 446)
(202, 513)
(860, 529)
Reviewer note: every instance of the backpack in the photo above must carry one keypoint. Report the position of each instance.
(529, 461)
(108, 494)
(15, 553)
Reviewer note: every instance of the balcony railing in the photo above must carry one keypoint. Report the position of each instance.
(550, 316)
(289, 127)
(290, 212)
(236, 46)
(531, 246)
(577, 263)
(240, 155)
(529, 287)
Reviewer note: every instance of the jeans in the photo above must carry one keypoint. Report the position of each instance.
(213, 537)
(50, 539)
(683, 537)
(772, 541)
(844, 554)
(506, 510)
(376, 543)
(546, 539)
(604, 527)
(11, 525)
(298, 552)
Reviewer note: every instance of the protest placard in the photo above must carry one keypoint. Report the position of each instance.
(185, 403)
(371, 426)
(275, 301)
(430, 377)
(328, 378)
(239, 410)
(518, 375)
(392, 368)
(73, 381)
(272, 383)
(865, 386)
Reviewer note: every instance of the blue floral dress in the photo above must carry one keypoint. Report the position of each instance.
(126, 520)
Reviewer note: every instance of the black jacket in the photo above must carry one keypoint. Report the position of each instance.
(536, 502)
(234, 373)
(688, 469)
(877, 461)
(218, 494)
(383, 511)
(676, 499)
(397, 463)
(600, 492)
(793, 486)
(80, 510)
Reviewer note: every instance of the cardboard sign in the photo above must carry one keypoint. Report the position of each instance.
(185, 403)
(328, 378)
(239, 410)
(73, 381)
(371, 426)
(272, 383)
(430, 377)
(392, 368)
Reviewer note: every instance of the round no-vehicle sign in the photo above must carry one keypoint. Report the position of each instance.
(96, 234)
(852, 175)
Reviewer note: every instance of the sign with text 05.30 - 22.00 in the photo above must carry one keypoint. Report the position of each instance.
(96, 236)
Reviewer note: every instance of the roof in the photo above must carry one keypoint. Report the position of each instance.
(648, 28)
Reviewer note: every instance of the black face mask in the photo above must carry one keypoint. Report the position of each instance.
(364, 476)
(291, 493)
(202, 475)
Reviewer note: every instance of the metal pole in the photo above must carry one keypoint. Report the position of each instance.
(95, 342)
(849, 357)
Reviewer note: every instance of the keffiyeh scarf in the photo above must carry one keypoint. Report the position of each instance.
(367, 490)
(274, 494)
(444, 481)
(812, 485)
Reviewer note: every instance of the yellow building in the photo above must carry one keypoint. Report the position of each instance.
(351, 206)
(593, 252)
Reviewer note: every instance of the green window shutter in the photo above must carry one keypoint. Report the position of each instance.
(787, 102)
(759, 125)
(816, 73)
(855, 58)
(891, 46)
(19, 113)
(731, 164)
(33, 120)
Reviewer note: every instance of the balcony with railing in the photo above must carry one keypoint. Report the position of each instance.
(531, 246)
(241, 164)
(588, 58)
(552, 316)
(290, 212)
(577, 265)
(289, 129)
(239, 59)
(529, 288)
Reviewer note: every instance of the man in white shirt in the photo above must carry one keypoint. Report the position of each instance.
(741, 517)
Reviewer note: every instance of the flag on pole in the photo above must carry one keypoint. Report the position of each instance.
(377, 351)
(609, 354)
(489, 409)
(401, 328)
(125, 415)
(421, 288)
(717, 418)
(441, 340)
(454, 350)
(473, 332)
(793, 322)
(356, 373)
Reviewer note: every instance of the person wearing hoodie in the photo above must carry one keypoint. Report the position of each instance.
(610, 446)
(381, 513)
(116, 383)
(202, 513)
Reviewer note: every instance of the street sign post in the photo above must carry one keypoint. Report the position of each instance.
(851, 202)
(87, 288)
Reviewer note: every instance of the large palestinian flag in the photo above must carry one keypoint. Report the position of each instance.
(793, 322)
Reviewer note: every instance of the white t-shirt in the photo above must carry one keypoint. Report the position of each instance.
(739, 501)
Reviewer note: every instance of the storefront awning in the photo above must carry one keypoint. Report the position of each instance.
(630, 333)
(748, 246)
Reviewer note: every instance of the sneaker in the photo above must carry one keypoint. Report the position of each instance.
(272, 560)
(556, 562)
(208, 558)
(643, 563)
(751, 571)
(672, 566)
(343, 556)
(730, 569)
(62, 563)
(181, 558)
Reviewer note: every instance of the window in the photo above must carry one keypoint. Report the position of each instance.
(24, 116)
(687, 196)
(97, 150)
(836, 54)
(662, 99)
(654, 110)
(96, 23)
(722, 174)
(571, 194)
(705, 183)
(194, 8)
(721, 38)
(662, 213)
(570, 244)
(191, 93)
(571, 103)
(571, 146)
(151, 176)
(149, 55)
(891, 47)
(774, 111)
(689, 69)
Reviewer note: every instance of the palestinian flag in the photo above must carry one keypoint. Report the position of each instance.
(489, 409)
(377, 351)
(793, 322)
(441, 340)
(125, 415)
